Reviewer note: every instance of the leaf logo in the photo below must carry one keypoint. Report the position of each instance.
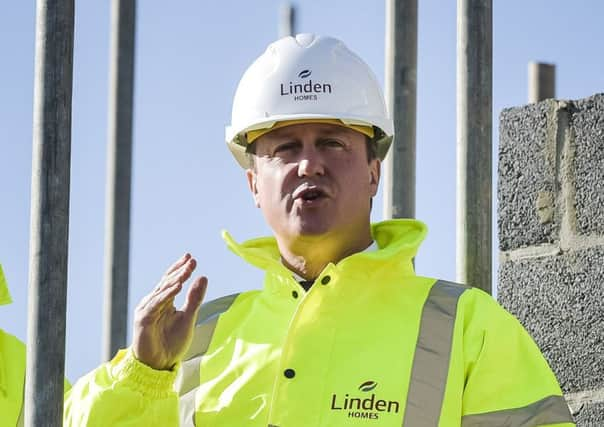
(368, 386)
(304, 74)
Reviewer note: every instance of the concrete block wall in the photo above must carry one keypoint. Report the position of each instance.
(551, 239)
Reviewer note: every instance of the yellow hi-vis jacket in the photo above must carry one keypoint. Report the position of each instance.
(12, 380)
(12, 370)
(370, 344)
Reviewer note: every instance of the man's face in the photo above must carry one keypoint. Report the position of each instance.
(314, 179)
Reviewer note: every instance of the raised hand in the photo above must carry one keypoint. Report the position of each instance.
(163, 334)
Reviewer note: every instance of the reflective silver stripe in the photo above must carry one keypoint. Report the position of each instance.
(550, 410)
(432, 354)
(187, 380)
(20, 420)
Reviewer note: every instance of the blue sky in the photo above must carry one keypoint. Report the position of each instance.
(186, 187)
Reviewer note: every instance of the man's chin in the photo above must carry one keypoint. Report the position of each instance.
(313, 231)
(311, 228)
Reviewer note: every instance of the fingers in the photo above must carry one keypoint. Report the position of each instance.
(181, 270)
(181, 274)
(157, 303)
(165, 296)
(162, 297)
(195, 296)
(179, 263)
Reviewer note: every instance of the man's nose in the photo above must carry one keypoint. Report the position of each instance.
(310, 163)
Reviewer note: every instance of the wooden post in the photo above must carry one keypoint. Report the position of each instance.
(287, 23)
(401, 89)
(119, 166)
(542, 81)
(474, 142)
(49, 227)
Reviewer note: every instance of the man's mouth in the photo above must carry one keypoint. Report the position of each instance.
(309, 193)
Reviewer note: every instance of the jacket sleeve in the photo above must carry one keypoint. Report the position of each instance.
(508, 381)
(122, 392)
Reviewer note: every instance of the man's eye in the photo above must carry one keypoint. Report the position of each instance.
(285, 147)
(332, 143)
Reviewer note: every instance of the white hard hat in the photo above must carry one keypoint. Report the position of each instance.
(307, 77)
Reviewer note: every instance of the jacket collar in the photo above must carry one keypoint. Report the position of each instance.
(398, 241)
(4, 293)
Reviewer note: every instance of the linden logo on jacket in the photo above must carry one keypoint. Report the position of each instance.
(362, 404)
(305, 90)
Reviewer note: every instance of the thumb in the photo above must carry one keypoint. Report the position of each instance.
(194, 297)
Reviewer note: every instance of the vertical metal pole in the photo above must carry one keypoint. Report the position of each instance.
(542, 81)
(119, 165)
(401, 89)
(474, 140)
(287, 23)
(49, 227)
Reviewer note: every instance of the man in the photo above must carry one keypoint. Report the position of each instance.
(12, 369)
(343, 332)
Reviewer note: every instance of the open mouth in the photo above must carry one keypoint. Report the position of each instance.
(309, 194)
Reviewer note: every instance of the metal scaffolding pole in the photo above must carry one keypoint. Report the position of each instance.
(542, 81)
(49, 227)
(119, 166)
(287, 23)
(474, 142)
(401, 89)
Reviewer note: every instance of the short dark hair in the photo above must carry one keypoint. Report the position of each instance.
(250, 154)
(371, 148)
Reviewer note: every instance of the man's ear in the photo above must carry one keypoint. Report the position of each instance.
(375, 169)
(251, 182)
